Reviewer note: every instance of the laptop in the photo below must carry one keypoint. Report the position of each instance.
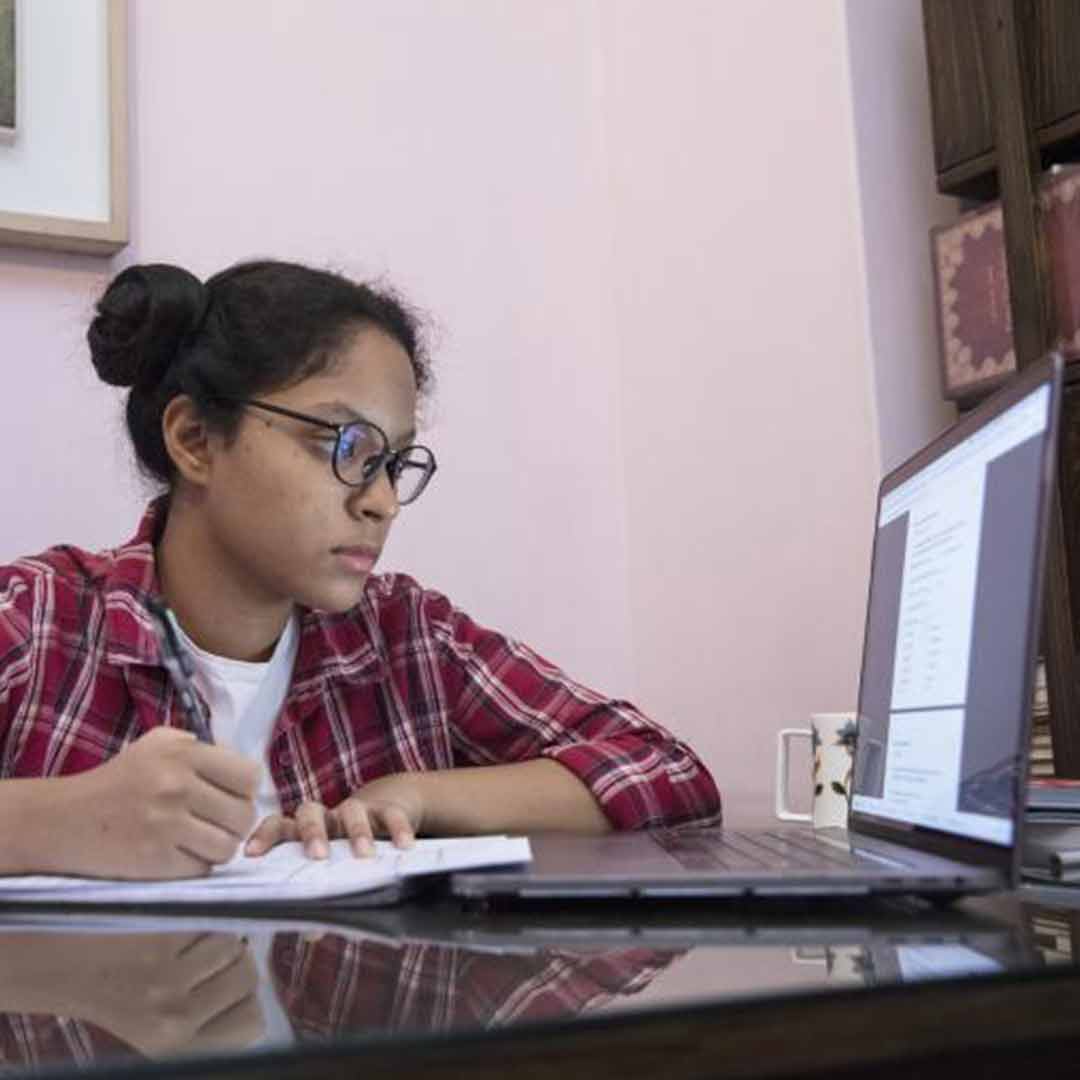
(949, 652)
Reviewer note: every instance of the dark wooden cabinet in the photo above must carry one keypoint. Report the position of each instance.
(1069, 485)
(964, 144)
(1005, 93)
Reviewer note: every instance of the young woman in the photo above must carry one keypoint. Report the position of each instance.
(276, 407)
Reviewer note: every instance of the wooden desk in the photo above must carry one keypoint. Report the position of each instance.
(431, 991)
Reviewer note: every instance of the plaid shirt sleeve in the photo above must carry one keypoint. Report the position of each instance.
(39, 1040)
(508, 704)
(336, 985)
(15, 641)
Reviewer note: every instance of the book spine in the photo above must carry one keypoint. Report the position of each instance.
(1041, 750)
(1061, 209)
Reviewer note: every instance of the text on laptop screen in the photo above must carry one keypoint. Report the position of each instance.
(942, 697)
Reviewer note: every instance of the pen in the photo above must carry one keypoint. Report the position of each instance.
(178, 665)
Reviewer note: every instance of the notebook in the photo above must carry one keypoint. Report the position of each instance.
(283, 877)
(949, 651)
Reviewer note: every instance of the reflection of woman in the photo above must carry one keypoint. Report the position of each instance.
(336, 985)
(102, 997)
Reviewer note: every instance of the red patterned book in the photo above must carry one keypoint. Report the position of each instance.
(974, 320)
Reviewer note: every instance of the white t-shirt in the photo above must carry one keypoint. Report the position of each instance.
(245, 699)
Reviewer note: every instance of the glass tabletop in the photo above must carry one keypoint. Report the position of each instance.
(91, 990)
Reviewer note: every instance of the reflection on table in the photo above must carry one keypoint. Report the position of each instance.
(85, 997)
(93, 990)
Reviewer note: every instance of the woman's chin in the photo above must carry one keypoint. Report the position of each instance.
(336, 598)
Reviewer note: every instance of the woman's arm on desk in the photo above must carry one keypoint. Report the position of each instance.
(529, 796)
(533, 749)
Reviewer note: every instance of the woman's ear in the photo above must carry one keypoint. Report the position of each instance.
(187, 440)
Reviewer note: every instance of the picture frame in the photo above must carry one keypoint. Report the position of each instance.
(8, 97)
(88, 212)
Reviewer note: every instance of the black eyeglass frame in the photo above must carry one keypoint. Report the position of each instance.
(386, 458)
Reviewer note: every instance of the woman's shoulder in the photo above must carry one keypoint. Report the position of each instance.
(396, 597)
(404, 609)
(54, 579)
(63, 562)
(397, 619)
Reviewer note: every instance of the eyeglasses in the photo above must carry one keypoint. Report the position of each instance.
(362, 450)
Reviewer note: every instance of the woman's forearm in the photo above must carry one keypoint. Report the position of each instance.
(42, 837)
(527, 796)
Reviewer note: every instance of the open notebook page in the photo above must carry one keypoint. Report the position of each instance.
(282, 875)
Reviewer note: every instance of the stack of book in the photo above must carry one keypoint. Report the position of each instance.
(1052, 831)
(1051, 932)
(1041, 754)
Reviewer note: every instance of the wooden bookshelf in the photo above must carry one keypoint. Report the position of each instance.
(1007, 69)
(964, 131)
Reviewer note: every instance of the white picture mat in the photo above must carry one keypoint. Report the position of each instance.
(59, 163)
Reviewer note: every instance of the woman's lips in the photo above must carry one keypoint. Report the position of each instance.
(359, 560)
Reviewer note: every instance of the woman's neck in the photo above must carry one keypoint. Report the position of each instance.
(216, 602)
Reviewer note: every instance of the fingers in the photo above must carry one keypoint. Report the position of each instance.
(224, 768)
(207, 841)
(223, 1009)
(229, 812)
(165, 735)
(163, 863)
(312, 832)
(271, 831)
(396, 822)
(238, 1026)
(200, 957)
(226, 986)
(360, 821)
(314, 826)
(351, 818)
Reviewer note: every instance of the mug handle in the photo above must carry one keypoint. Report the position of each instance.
(783, 811)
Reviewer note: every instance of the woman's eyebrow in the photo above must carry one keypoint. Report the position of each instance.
(338, 410)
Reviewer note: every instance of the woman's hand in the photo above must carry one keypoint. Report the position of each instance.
(389, 806)
(527, 796)
(166, 806)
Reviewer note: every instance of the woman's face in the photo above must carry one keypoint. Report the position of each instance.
(287, 528)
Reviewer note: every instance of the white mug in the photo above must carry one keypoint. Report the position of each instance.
(847, 964)
(832, 740)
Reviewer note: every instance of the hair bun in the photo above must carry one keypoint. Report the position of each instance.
(142, 318)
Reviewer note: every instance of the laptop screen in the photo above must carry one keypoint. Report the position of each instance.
(942, 700)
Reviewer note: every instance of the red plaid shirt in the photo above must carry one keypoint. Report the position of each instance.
(402, 682)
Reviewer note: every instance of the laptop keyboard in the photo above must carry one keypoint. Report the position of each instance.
(734, 850)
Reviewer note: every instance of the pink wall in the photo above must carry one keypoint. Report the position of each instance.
(655, 408)
(898, 203)
(65, 474)
(751, 461)
(452, 147)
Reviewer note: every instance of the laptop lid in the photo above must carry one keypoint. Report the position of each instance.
(952, 630)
